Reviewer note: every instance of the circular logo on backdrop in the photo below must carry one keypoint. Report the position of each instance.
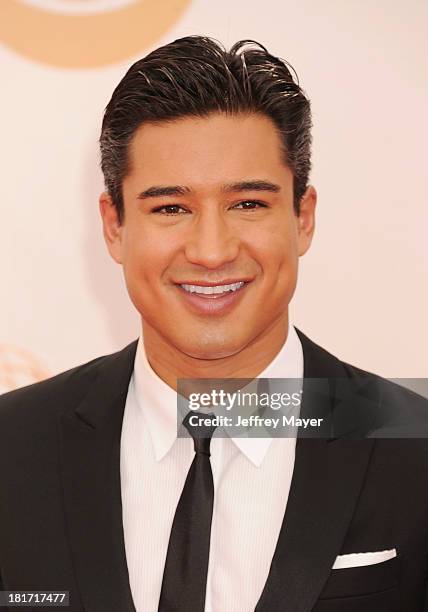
(19, 367)
(85, 33)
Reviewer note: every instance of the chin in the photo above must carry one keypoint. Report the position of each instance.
(211, 348)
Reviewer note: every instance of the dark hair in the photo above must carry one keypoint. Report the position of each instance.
(196, 76)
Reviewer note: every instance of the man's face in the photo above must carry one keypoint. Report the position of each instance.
(209, 202)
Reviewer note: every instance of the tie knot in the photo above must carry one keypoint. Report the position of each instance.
(200, 428)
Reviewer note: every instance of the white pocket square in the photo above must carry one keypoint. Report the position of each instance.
(361, 559)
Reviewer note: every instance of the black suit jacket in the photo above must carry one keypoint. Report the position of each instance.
(60, 501)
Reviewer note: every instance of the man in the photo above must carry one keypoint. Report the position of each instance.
(206, 157)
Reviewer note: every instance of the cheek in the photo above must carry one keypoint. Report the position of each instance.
(276, 250)
(145, 257)
(278, 257)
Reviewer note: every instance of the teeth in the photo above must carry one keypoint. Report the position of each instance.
(210, 290)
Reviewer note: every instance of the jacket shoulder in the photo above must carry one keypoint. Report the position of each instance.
(394, 403)
(390, 389)
(399, 412)
(52, 395)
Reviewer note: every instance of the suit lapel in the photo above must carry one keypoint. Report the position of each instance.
(327, 479)
(90, 464)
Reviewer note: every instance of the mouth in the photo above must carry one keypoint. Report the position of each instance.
(212, 291)
(211, 298)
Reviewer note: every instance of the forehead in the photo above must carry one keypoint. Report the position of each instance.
(207, 150)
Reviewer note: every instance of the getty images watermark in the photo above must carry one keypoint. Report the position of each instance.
(236, 402)
(315, 407)
(244, 407)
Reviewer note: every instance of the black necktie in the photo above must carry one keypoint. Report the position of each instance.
(186, 567)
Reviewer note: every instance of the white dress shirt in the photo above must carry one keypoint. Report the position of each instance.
(252, 478)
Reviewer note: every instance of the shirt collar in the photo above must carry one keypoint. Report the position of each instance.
(158, 401)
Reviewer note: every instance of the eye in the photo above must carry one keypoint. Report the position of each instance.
(250, 205)
(169, 209)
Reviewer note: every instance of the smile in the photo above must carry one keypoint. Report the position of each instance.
(213, 299)
(216, 289)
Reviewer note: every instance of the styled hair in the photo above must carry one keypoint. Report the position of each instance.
(195, 76)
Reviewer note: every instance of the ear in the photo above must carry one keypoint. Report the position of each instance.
(306, 219)
(112, 228)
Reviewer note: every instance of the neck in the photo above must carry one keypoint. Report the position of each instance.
(170, 363)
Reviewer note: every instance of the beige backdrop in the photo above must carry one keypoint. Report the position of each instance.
(363, 287)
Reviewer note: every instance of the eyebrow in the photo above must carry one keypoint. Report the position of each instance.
(256, 185)
(162, 191)
(158, 191)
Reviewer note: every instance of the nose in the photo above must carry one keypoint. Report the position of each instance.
(211, 241)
